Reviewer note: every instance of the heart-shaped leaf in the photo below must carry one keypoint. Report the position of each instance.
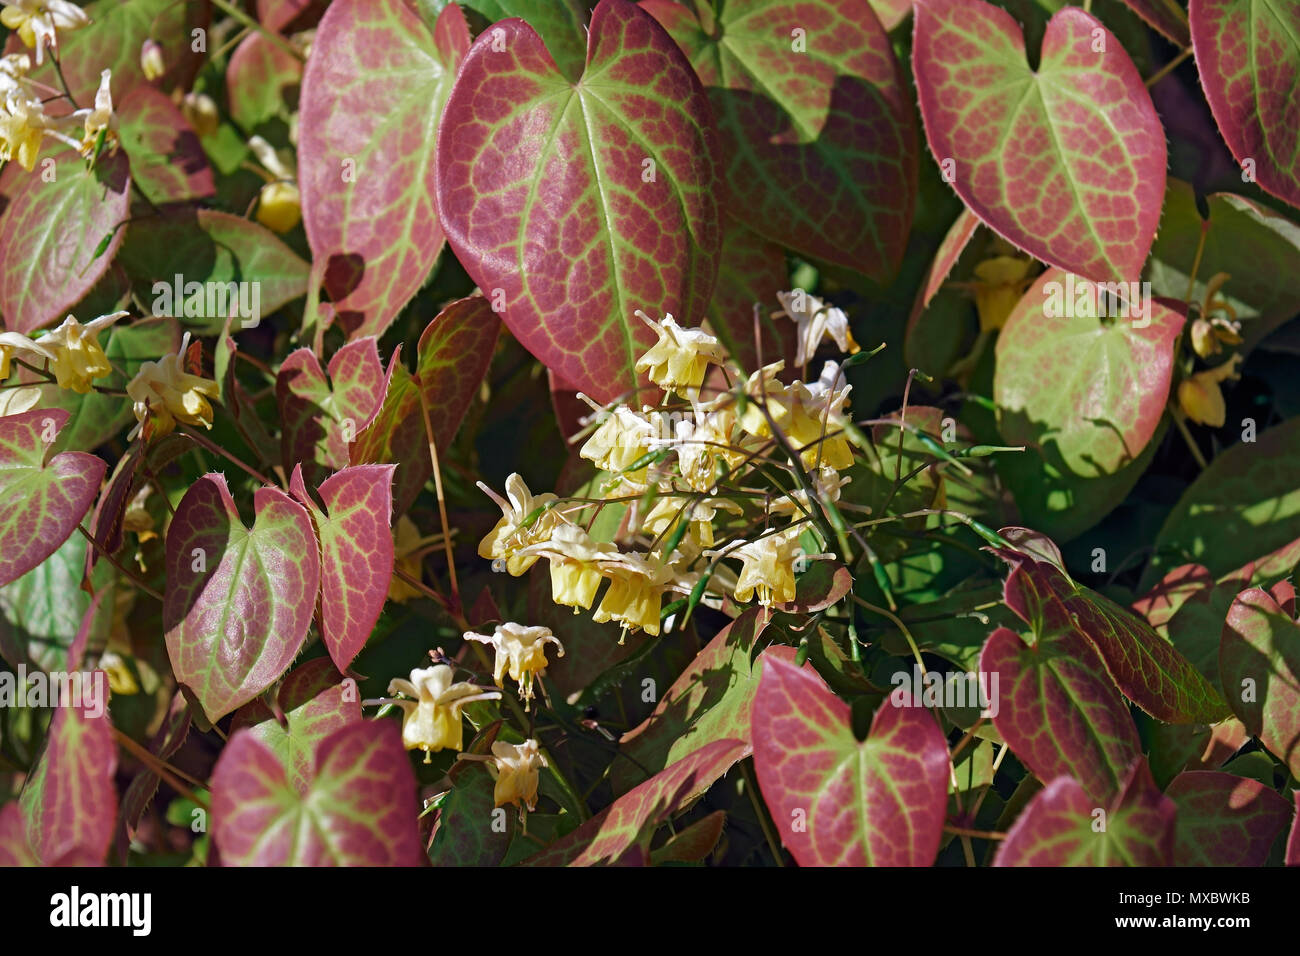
(51, 235)
(1095, 388)
(817, 129)
(238, 601)
(316, 701)
(41, 502)
(1145, 666)
(167, 159)
(1067, 161)
(709, 701)
(751, 271)
(359, 808)
(372, 94)
(1245, 503)
(356, 547)
(452, 357)
(69, 802)
(320, 419)
(1248, 54)
(1059, 711)
(629, 821)
(183, 246)
(277, 14)
(1062, 826)
(1259, 663)
(575, 204)
(1225, 820)
(836, 801)
(562, 25)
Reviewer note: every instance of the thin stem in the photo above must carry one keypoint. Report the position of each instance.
(112, 559)
(898, 622)
(205, 442)
(978, 834)
(162, 769)
(442, 500)
(232, 10)
(1187, 437)
(1168, 68)
(751, 788)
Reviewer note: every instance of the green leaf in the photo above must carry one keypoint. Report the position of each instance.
(1259, 663)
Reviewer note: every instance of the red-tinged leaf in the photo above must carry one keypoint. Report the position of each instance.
(581, 203)
(140, 792)
(1248, 54)
(891, 12)
(1252, 244)
(1259, 664)
(1062, 826)
(1094, 388)
(1166, 16)
(41, 502)
(319, 418)
(562, 25)
(1225, 820)
(824, 583)
(1179, 747)
(1245, 503)
(1293, 841)
(751, 271)
(1148, 670)
(628, 823)
(316, 701)
(356, 545)
(167, 160)
(1059, 711)
(259, 74)
(207, 246)
(836, 801)
(372, 94)
(1162, 602)
(50, 236)
(711, 700)
(69, 801)
(452, 357)
(238, 601)
(359, 808)
(277, 14)
(818, 137)
(945, 258)
(113, 39)
(1066, 161)
(14, 849)
(692, 844)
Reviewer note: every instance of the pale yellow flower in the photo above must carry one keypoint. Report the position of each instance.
(100, 119)
(681, 357)
(815, 320)
(166, 392)
(431, 718)
(37, 22)
(15, 343)
(516, 767)
(200, 110)
(509, 537)
(826, 482)
(702, 444)
(151, 60)
(1200, 397)
(23, 126)
(768, 569)
(521, 651)
(78, 358)
(636, 586)
(575, 570)
(279, 206)
(1002, 281)
(623, 438)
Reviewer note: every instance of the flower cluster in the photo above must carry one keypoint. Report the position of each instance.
(725, 467)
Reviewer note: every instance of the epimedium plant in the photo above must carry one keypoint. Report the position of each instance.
(744, 432)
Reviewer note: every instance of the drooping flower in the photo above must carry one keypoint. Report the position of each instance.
(13, 68)
(1200, 397)
(819, 411)
(431, 718)
(15, 343)
(78, 357)
(826, 483)
(768, 569)
(167, 393)
(516, 768)
(623, 438)
(521, 651)
(37, 22)
(510, 536)
(815, 320)
(575, 569)
(279, 206)
(669, 509)
(704, 442)
(681, 357)
(636, 586)
(200, 110)
(23, 126)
